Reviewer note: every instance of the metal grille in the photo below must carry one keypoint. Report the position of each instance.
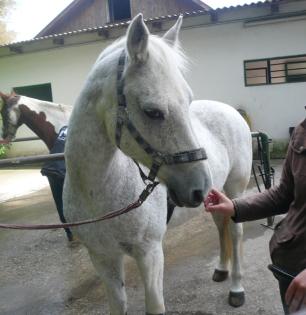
(275, 70)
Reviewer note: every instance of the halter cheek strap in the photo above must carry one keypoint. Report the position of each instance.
(158, 158)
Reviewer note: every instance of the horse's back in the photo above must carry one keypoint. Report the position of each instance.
(217, 116)
(226, 136)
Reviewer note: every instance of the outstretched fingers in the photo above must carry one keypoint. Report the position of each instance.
(216, 201)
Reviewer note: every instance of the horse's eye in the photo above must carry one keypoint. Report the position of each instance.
(154, 114)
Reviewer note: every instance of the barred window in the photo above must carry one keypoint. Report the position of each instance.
(275, 70)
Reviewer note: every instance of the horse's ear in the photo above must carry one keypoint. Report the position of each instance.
(4, 96)
(172, 35)
(137, 39)
(3, 99)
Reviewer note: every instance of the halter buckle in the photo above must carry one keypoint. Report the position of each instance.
(158, 158)
(122, 115)
(147, 191)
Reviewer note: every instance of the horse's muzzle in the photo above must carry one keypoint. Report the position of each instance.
(196, 197)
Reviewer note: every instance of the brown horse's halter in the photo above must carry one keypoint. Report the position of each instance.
(158, 159)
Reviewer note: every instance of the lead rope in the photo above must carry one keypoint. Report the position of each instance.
(142, 197)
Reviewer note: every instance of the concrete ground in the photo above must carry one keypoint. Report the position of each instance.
(41, 274)
(19, 183)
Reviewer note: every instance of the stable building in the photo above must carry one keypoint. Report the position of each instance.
(252, 57)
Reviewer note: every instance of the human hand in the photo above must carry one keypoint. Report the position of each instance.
(296, 293)
(218, 202)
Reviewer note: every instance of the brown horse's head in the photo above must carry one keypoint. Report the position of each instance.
(10, 115)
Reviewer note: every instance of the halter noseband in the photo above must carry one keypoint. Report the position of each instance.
(158, 158)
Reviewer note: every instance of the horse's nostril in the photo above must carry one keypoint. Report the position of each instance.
(198, 196)
(175, 198)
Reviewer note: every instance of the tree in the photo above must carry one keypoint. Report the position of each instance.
(5, 35)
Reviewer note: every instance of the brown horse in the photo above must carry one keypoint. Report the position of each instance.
(45, 119)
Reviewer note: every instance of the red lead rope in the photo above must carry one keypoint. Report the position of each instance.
(143, 196)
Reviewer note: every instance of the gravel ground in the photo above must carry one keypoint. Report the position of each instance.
(41, 274)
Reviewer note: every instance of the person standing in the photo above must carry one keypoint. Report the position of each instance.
(55, 171)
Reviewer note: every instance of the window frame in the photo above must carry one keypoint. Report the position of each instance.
(268, 70)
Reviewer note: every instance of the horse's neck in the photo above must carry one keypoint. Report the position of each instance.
(44, 119)
(88, 142)
(38, 123)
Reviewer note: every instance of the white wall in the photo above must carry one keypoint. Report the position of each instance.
(217, 54)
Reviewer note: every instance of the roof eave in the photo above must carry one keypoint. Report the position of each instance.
(58, 18)
(203, 5)
(14, 47)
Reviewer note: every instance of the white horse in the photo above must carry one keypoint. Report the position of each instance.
(144, 73)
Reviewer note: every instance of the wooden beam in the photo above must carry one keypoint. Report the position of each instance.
(213, 16)
(157, 25)
(274, 8)
(31, 160)
(59, 41)
(16, 49)
(103, 33)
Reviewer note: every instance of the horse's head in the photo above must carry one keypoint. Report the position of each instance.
(10, 113)
(154, 97)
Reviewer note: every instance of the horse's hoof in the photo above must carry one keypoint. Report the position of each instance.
(220, 275)
(236, 299)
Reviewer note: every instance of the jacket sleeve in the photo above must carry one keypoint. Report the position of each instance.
(273, 201)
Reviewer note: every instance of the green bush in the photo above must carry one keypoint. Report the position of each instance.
(3, 150)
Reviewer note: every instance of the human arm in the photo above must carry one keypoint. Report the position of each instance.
(270, 202)
(296, 293)
(273, 201)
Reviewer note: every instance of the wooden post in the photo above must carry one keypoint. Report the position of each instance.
(30, 160)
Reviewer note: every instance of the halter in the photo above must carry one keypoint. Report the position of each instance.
(158, 158)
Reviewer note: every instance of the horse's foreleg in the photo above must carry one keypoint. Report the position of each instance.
(236, 296)
(221, 271)
(151, 266)
(110, 269)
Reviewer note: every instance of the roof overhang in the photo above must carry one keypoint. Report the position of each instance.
(77, 4)
(262, 11)
(74, 5)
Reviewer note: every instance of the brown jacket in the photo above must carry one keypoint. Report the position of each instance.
(288, 243)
